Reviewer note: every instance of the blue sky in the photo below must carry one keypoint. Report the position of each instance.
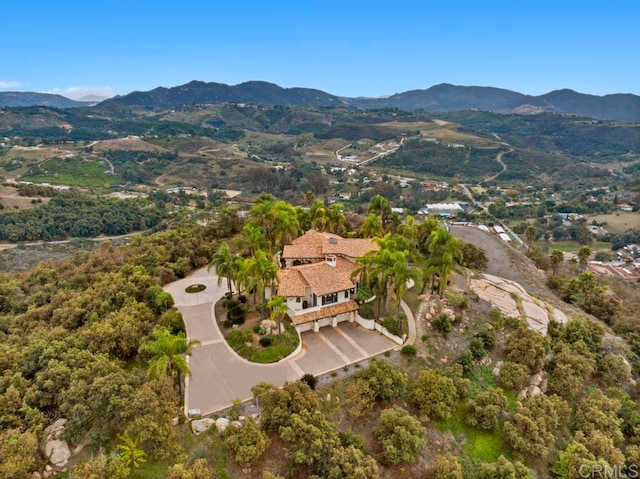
(349, 48)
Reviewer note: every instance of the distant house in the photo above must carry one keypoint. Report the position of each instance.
(317, 279)
(441, 209)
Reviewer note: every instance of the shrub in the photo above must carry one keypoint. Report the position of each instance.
(242, 299)
(434, 393)
(266, 341)
(401, 435)
(443, 324)
(513, 376)
(488, 337)
(227, 323)
(465, 359)
(195, 288)
(393, 325)
(235, 311)
(310, 380)
(476, 347)
(408, 350)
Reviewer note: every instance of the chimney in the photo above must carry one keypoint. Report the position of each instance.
(330, 259)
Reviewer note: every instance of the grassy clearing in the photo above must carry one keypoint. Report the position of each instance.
(74, 172)
(479, 445)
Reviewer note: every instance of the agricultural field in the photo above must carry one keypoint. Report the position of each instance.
(76, 171)
(618, 222)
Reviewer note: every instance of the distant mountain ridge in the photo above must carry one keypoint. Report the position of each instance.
(442, 97)
(249, 92)
(26, 98)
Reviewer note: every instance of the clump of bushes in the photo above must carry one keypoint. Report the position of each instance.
(443, 324)
(235, 311)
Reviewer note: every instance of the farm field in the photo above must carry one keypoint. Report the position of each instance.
(618, 222)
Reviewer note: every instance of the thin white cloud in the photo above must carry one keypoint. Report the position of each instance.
(4, 85)
(80, 92)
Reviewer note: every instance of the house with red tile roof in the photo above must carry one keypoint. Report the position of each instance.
(318, 281)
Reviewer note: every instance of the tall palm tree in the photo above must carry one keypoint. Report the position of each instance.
(262, 215)
(278, 306)
(409, 230)
(425, 229)
(445, 254)
(372, 226)
(337, 220)
(401, 273)
(556, 257)
(583, 255)
(381, 206)
(168, 354)
(261, 271)
(225, 264)
(251, 240)
(530, 235)
(286, 225)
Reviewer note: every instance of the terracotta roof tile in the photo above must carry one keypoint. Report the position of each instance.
(329, 244)
(302, 251)
(291, 283)
(325, 312)
(325, 279)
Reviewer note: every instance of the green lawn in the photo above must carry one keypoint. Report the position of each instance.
(239, 339)
(74, 171)
(480, 445)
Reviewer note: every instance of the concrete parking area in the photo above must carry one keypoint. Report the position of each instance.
(333, 348)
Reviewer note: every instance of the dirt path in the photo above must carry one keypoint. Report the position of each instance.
(499, 160)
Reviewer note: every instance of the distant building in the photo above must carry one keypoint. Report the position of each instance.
(441, 209)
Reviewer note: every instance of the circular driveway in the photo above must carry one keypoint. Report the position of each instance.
(219, 376)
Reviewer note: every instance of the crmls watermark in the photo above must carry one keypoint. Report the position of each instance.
(609, 472)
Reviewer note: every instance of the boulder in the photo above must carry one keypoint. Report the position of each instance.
(36, 475)
(54, 430)
(522, 395)
(449, 313)
(534, 391)
(536, 379)
(496, 371)
(222, 424)
(236, 424)
(201, 425)
(58, 452)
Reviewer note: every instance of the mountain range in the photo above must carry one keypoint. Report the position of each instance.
(27, 98)
(442, 97)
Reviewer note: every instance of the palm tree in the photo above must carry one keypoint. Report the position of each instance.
(252, 240)
(530, 235)
(583, 255)
(372, 226)
(262, 215)
(286, 224)
(260, 271)
(381, 206)
(401, 273)
(337, 221)
(168, 354)
(225, 264)
(278, 306)
(410, 231)
(425, 229)
(445, 254)
(556, 257)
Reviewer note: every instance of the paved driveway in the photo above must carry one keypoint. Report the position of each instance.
(219, 376)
